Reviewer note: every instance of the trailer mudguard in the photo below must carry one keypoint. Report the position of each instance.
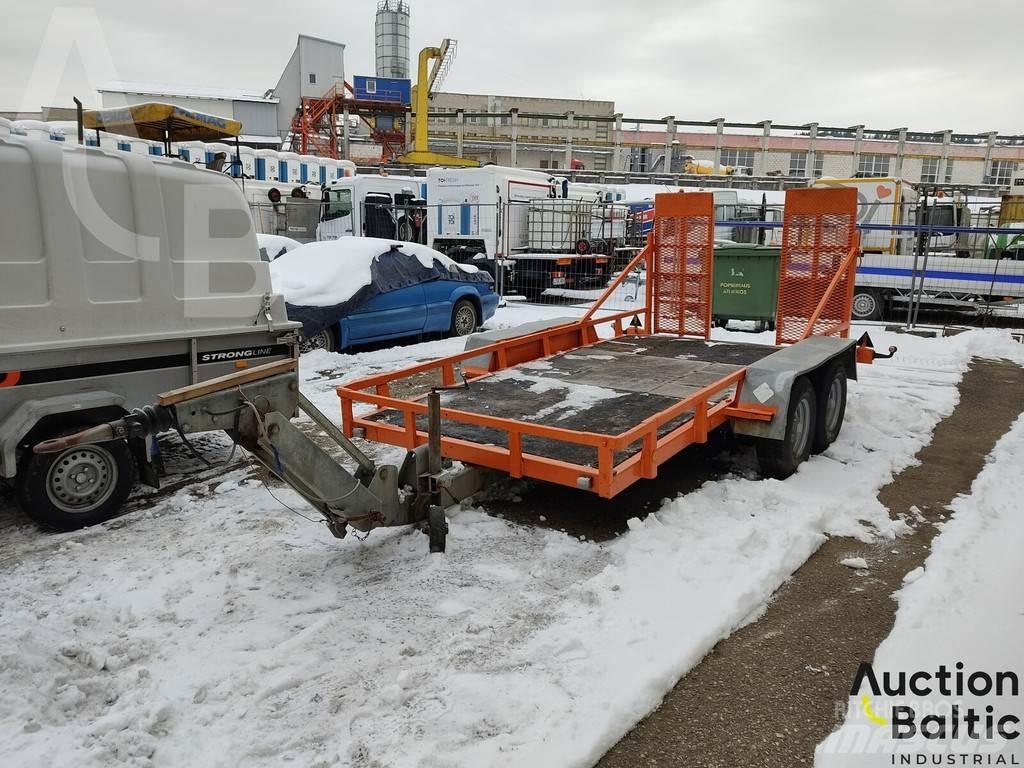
(29, 413)
(770, 380)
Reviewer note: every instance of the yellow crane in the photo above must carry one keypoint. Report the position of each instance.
(428, 79)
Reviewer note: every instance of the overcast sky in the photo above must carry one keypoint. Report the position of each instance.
(925, 64)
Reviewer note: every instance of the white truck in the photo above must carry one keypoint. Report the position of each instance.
(951, 271)
(374, 206)
(484, 215)
(121, 276)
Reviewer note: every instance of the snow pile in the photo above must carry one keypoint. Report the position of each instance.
(964, 606)
(221, 629)
(276, 245)
(332, 272)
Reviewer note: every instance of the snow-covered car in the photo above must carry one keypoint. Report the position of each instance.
(272, 246)
(361, 290)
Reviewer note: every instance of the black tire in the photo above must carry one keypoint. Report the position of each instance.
(437, 529)
(867, 304)
(780, 458)
(78, 487)
(583, 247)
(831, 405)
(322, 340)
(465, 318)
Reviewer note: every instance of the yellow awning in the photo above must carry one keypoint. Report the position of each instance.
(161, 122)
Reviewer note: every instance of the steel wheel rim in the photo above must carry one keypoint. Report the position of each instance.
(832, 403)
(320, 340)
(864, 305)
(465, 321)
(801, 426)
(81, 479)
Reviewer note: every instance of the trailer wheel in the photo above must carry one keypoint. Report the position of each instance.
(583, 246)
(867, 304)
(437, 529)
(831, 405)
(464, 318)
(780, 458)
(77, 487)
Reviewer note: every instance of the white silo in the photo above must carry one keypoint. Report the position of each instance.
(392, 39)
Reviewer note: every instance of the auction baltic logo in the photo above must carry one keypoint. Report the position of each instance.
(959, 723)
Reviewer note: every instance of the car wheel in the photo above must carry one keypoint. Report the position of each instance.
(464, 318)
(867, 304)
(322, 340)
(77, 487)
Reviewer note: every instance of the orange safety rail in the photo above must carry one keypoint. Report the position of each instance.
(683, 241)
(818, 263)
(607, 478)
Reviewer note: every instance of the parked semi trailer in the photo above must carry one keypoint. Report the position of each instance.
(959, 272)
(121, 276)
(596, 404)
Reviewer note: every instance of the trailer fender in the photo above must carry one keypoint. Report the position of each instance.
(28, 414)
(769, 381)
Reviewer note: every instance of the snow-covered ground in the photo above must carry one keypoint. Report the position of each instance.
(221, 629)
(965, 606)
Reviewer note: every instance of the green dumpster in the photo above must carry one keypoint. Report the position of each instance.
(745, 283)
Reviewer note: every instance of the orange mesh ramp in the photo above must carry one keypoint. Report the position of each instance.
(683, 239)
(819, 231)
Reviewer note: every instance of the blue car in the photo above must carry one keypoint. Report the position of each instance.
(396, 295)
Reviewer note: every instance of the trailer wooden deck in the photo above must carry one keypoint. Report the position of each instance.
(610, 387)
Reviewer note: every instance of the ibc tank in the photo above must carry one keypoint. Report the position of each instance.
(392, 39)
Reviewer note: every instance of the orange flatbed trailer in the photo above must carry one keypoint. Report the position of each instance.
(602, 402)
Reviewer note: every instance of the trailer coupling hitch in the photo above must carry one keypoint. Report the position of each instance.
(866, 352)
(140, 422)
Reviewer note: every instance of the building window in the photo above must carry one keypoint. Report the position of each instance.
(930, 170)
(873, 166)
(738, 158)
(371, 86)
(543, 163)
(1001, 172)
(819, 165)
(949, 171)
(798, 164)
(554, 164)
(312, 78)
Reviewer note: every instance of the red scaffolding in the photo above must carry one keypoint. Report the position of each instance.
(315, 126)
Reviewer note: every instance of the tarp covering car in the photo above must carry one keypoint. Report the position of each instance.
(326, 281)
